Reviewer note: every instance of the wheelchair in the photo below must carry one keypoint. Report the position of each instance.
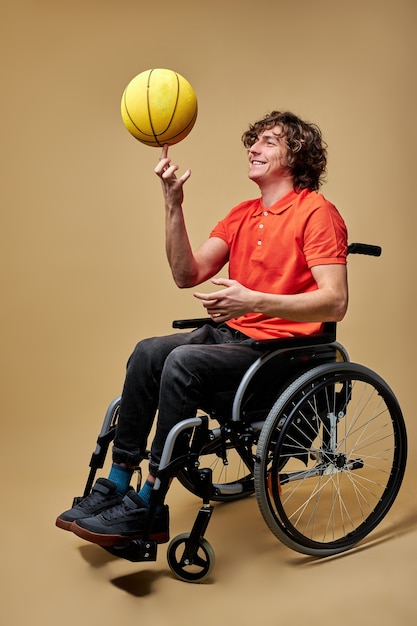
(320, 441)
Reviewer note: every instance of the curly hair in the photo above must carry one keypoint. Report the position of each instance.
(306, 149)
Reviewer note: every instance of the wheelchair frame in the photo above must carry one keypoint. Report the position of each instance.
(346, 448)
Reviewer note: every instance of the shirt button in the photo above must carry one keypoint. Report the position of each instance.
(265, 212)
(261, 225)
(259, 243)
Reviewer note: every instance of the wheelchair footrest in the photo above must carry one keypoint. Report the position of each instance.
(135, 551)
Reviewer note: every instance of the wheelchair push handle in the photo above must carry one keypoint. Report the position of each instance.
(364, 248)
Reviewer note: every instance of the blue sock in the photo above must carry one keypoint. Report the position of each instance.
(121, 476)
(145, 492)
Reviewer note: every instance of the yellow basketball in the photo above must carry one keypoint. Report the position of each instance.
(159, 107)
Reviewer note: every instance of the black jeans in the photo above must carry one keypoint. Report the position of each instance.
(175, 374)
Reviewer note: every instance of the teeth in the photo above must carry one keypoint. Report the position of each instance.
(257, 163)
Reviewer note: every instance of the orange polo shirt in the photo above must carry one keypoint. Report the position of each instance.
(273, 250)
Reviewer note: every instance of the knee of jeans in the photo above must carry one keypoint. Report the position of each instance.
(142, 353)
(145, 346)
(181, 357)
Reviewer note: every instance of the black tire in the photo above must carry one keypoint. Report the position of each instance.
(323, 488)
(190, 568)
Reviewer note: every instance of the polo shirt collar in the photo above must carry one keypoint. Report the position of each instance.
(283, 204)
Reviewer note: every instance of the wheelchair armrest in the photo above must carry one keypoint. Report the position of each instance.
(196, 322)
(327, 336)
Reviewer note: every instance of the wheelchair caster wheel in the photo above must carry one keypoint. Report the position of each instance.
(188, 563)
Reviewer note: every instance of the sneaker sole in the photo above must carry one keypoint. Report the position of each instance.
(107, 541)
(63, 524)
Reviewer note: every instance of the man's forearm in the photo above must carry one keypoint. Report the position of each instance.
(178, 249)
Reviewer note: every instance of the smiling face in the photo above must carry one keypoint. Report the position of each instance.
(268, 158)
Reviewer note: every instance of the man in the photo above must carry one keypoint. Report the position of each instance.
(286, 252)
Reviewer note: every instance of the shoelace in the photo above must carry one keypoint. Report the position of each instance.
(116, 511)
(93, 498)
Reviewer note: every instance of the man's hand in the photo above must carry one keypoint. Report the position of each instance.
(172, 187)
(232, 301)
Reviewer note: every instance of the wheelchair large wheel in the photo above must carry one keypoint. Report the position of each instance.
(330, 459)
(232, 467)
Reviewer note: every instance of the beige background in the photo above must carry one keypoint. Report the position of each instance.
(84, 277)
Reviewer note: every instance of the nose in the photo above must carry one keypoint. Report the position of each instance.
(254, 149)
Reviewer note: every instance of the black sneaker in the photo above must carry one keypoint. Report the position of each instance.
(122, 523)
(103, 496)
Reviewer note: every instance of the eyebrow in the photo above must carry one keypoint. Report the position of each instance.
(271, 136)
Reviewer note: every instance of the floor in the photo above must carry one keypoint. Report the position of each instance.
(51, 575)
